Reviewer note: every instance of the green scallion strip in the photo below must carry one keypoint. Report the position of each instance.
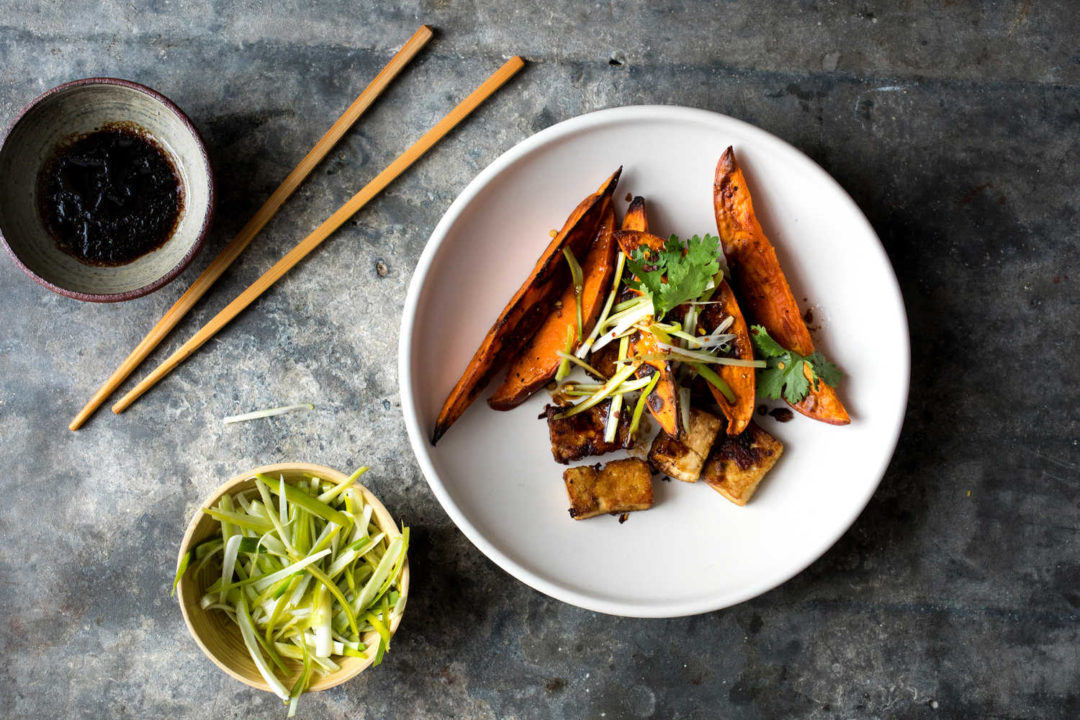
(612, 428)
(635, 420)
(261, 582)
(247, 522)
(301, 682)
(620, 264)
(247, 631)
(580, 363)
(181, 568)
(579, 287)
(678, 353)
(564, 364)
(627, 387)
(338, 489)
(715, 380)
(313, 505)
(611, 385)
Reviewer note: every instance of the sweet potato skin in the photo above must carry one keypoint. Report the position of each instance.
(636, 217)
(663, 401)
(630, 240)
(529, 306)
(740, 379)
(822, 403)
(538, 361)
(760, 282)
(757, 275)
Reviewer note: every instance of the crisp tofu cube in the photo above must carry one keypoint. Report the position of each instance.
(618, 487)
(738, 463)
(581, 435)
(684, 459)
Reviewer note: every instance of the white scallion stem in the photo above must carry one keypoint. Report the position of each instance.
(586, 347)
(270, 412)
(247, 631)
(611, 386)
(612, 429)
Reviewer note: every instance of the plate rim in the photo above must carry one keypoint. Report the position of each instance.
(418, 438)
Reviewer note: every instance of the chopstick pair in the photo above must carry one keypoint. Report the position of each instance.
(267, 211)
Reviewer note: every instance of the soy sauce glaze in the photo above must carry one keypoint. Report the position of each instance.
(111, 196)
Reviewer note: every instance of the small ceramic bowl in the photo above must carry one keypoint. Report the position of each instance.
(74, 109)
(216, 634)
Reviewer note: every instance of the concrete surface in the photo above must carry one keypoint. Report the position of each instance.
(953, 125)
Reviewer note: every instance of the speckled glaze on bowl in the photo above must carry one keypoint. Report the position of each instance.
(80, 107)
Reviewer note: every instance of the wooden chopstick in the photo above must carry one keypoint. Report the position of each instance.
(263, 215)
(331, 224)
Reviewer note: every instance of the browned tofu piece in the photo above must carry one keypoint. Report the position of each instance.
(683, 459)
(737, 463)
(618, 487)
(582, 435)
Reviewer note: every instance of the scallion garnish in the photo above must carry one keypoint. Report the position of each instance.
(564, 364)
(635, 420)
(579, 287)
(305, 574)
(270, 412)
(609, 387)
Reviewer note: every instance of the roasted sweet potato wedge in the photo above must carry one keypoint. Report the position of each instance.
(739, 379)
(760, 282)
(630, 240)
(822, 403)
(636, 218)
(539, 361)
(663, 401)
(529, 306)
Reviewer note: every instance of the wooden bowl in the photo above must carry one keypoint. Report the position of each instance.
(77, 108)
(217, 635)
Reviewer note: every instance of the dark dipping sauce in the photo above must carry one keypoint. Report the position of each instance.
(111, 196)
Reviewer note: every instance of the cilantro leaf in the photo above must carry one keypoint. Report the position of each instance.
(785, 373)
(796, 386)
(823, 369)
(770, 382)
(646, 273)
(764, 344)
(677, 273)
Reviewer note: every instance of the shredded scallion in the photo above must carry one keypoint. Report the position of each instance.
(579, 288)
(306, 575)
(564, 364)
(270, 412)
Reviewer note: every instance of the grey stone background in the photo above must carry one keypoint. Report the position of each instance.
(954, 125)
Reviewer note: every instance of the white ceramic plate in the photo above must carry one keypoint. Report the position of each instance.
(693, 551)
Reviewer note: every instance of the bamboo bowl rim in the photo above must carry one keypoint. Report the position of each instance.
(217, 636)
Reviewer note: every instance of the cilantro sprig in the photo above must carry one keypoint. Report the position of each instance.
(676, 274)
(784, 374)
